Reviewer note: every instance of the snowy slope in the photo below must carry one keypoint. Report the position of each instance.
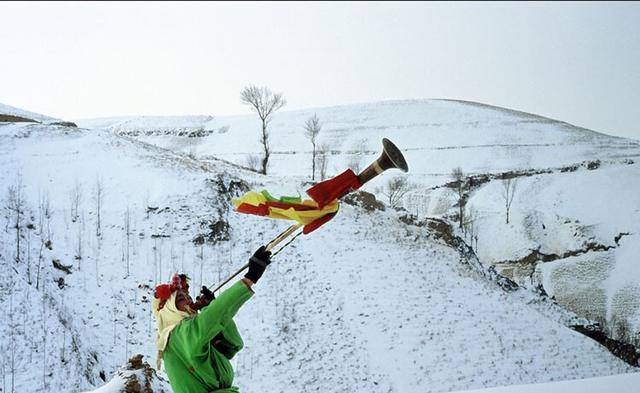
(367, 304)
(587, 196)
(10, 110)
(573, 233)
(624, 383)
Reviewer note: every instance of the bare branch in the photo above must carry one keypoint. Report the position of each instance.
(396, 188)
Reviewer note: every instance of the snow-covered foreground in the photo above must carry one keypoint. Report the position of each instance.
(624, 383)
(396, 311)
(365, 304)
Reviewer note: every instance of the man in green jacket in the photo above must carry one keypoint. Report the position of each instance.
(196, 347)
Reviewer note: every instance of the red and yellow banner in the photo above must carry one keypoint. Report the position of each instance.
(310, 213)
(305, 212)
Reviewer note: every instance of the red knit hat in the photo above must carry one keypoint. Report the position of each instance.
(164, 291)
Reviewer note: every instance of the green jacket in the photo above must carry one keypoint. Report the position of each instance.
(192, 363)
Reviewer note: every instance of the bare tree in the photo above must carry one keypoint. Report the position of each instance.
(29, 228)
(395, 189)
(12, 341)
(48, 216)
(96, 260)
(98, 195)
(265, 103)
(460, 188)
(312, 128)
(469, 226)
(44, 337)
(127, 234)
(508, 191)
(355, 162)
(16, 208)
(322, 157)
(44, 219)
(76, 199)
(79, 239)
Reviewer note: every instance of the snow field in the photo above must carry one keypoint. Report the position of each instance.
(365, 304)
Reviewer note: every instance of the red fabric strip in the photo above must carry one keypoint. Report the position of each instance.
(260, 210)
(337, 187)
(317, 223)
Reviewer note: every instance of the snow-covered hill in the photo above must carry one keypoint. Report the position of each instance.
(577, 205)
(366, 304)
(435, 135)
(21, 113)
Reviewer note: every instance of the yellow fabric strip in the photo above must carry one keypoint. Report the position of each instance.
(303, 217)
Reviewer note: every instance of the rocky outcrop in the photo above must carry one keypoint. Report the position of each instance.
(64, 124)
(441, 230)
(136, 376)
(522, 270)
(364, 199)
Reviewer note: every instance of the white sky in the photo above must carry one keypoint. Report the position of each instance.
(571, 61)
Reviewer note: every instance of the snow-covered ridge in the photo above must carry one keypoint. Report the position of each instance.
(10, 110)
(435, 135)
(191, 126)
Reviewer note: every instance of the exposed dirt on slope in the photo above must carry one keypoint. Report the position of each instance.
(624, 351)
(16, 119)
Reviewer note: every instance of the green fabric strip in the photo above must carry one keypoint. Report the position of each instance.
(282, 199)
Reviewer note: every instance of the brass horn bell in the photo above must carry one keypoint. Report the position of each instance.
(391, 157)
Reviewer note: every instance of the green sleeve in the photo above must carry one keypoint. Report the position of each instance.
(232, 341)
(214, 317)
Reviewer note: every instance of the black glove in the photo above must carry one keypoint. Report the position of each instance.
(203, 300)
(207, 294)
(258, 263)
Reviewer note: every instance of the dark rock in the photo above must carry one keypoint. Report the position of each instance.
(198, 240)
(229, 188)
(619, 236)
(216, 231)
(65, 124)
(411, 219)
(135, 384)
(591, 165)
(364, 199)
(60, 266)
(571, 168)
